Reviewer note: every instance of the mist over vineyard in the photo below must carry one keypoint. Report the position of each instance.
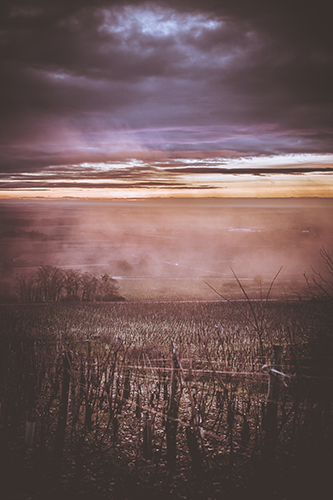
(167, 248)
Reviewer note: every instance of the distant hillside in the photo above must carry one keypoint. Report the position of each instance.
(29, 235)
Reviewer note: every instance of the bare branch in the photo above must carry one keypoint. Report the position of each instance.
(218, 293)
(252, 311)
(272, 283)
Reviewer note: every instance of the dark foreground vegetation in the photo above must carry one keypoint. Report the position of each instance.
(166, 400)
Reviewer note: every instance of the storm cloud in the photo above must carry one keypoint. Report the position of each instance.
(86, 81)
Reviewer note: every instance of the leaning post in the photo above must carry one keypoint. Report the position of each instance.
(62, 419)
(272, 404)
(172, 414)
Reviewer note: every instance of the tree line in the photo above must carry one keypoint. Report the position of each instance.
(52, 284)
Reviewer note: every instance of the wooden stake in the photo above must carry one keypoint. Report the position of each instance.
(272, 404)
(29, 433)
(147, 447)
(62, 420)
(194, 449)
(172, 415)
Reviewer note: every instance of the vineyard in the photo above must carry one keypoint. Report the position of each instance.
(166, 400)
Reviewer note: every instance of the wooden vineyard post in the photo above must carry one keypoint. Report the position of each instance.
(31, 418)
(272, 404)
(193, 437)
(230, 432)
(138, 404)
(127, 385)
(29, 432)
(165, 383)
(172, 414)
(62, 420)
(147, 439)
(115, 429)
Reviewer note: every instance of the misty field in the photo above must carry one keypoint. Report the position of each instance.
(165, 399)
(168, 248)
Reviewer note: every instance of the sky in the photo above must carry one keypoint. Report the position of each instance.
(229, 98)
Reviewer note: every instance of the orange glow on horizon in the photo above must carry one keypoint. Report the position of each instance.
(299, 176)
(250, 188)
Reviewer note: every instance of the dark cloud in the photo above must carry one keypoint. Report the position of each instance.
(82, 80)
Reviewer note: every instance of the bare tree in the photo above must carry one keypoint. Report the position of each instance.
(320, 284)
(108, 288)
(258, 314)
(50, 281)
(89, 286)
(72, 279)
(26, 287)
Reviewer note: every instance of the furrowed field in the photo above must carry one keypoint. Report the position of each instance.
(165, 399)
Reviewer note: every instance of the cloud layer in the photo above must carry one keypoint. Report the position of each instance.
(270, 176)
(84, 81)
